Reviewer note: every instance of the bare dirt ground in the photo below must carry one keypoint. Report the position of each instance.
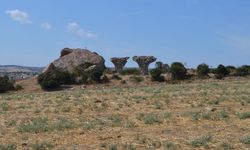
(209, 114)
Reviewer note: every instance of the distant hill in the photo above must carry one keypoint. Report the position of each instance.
(15, 68)
(19, 72)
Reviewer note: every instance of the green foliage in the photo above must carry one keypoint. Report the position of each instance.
(136, 79)
(231, 69)
(226, 146)
(18, 87)
(36, 125)
(53, 79)
(202, 69)
(203, 141)
(156, 75)
(64, 123)
(242, 71)
(4, 106)
(222, 70)
(245, 140)
(169, 145)
(151, 118)
(48, 82)
(96, 76)
(8, 147)
(116, 77)
(163, 67)
(6, 84)
(178, 71)
(131, 71)
(244, 115)
(42, 146)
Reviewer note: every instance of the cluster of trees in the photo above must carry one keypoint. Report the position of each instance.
(179, 71)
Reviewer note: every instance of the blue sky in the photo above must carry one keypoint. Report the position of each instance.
(191, 31)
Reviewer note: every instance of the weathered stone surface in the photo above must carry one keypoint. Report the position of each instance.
(119, 63)
(143, 63)
(66, 51)
(78, 58)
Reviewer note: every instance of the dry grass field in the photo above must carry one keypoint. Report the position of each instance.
(198, 115)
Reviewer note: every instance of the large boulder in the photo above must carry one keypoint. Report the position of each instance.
(71, 59)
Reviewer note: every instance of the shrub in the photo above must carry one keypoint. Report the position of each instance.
(136, 79)
(54, 78)
(202, 69)
(242, 71)
(42, 146)
(64, 77)
(18, 87)
(7, 147)
(231, 70)
(222, 70)
(6, 84)
(48, 81)
(245, 140)
(96, 76)
(151, 119)
(203, 141)
(131, 71)
(116, 77)
(163, 67)
(178, 71)
(156, 75)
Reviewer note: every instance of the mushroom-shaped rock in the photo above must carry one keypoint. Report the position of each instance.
(119, 63)
(143, 63)
(78, 58)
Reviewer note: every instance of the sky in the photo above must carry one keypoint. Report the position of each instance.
(33, 32)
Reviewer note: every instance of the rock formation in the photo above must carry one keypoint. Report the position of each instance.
(84, 59)
(66, 51)
(119, 63)
(143, 63)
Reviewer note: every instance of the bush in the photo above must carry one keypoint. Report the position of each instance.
(136, 79)
(48, 82)
(163, 67)
(242, 71)
(6, 84)
(222, 70)
(131, 71)
(202, 70)
(54, 78)
(156, 75)
(66, 78)
(231, 69)
(96, 76)
(178, 71)
(18, 87)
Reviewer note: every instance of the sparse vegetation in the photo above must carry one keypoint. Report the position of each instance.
(244, 115)
(108, 114)
(202, 141)
(8, 147)
(245, 140)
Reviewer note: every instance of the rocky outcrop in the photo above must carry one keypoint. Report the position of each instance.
(119, 63)
(66, 51)
(84, 59)
(143, 63)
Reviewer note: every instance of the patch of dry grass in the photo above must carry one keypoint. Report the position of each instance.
(205, 115)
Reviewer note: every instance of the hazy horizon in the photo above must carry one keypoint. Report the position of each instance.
(190, 31)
